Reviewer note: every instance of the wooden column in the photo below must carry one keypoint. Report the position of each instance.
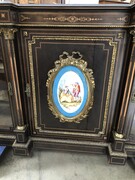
(13, 84)
(120, 136)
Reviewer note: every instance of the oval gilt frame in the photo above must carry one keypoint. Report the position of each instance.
(70, 88)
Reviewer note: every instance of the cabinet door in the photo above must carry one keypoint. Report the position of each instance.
(130, 117)
(5, 111)
(102, 50)
(10, 99)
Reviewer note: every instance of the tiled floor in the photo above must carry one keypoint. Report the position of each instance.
(52, 165)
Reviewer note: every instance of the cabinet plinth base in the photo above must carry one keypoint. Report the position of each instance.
(21, 134)
(118, 158)
(23, 149)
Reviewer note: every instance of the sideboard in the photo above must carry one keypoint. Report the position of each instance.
(67, 79)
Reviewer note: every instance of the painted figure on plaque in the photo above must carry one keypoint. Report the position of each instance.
(71, 91)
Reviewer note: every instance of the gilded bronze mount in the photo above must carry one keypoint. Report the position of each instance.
(74, 60)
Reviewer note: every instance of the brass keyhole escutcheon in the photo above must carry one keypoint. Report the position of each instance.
(133, 96)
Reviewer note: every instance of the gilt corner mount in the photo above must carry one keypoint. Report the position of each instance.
(70, 88)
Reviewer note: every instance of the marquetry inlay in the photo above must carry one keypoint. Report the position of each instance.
(72, 19)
